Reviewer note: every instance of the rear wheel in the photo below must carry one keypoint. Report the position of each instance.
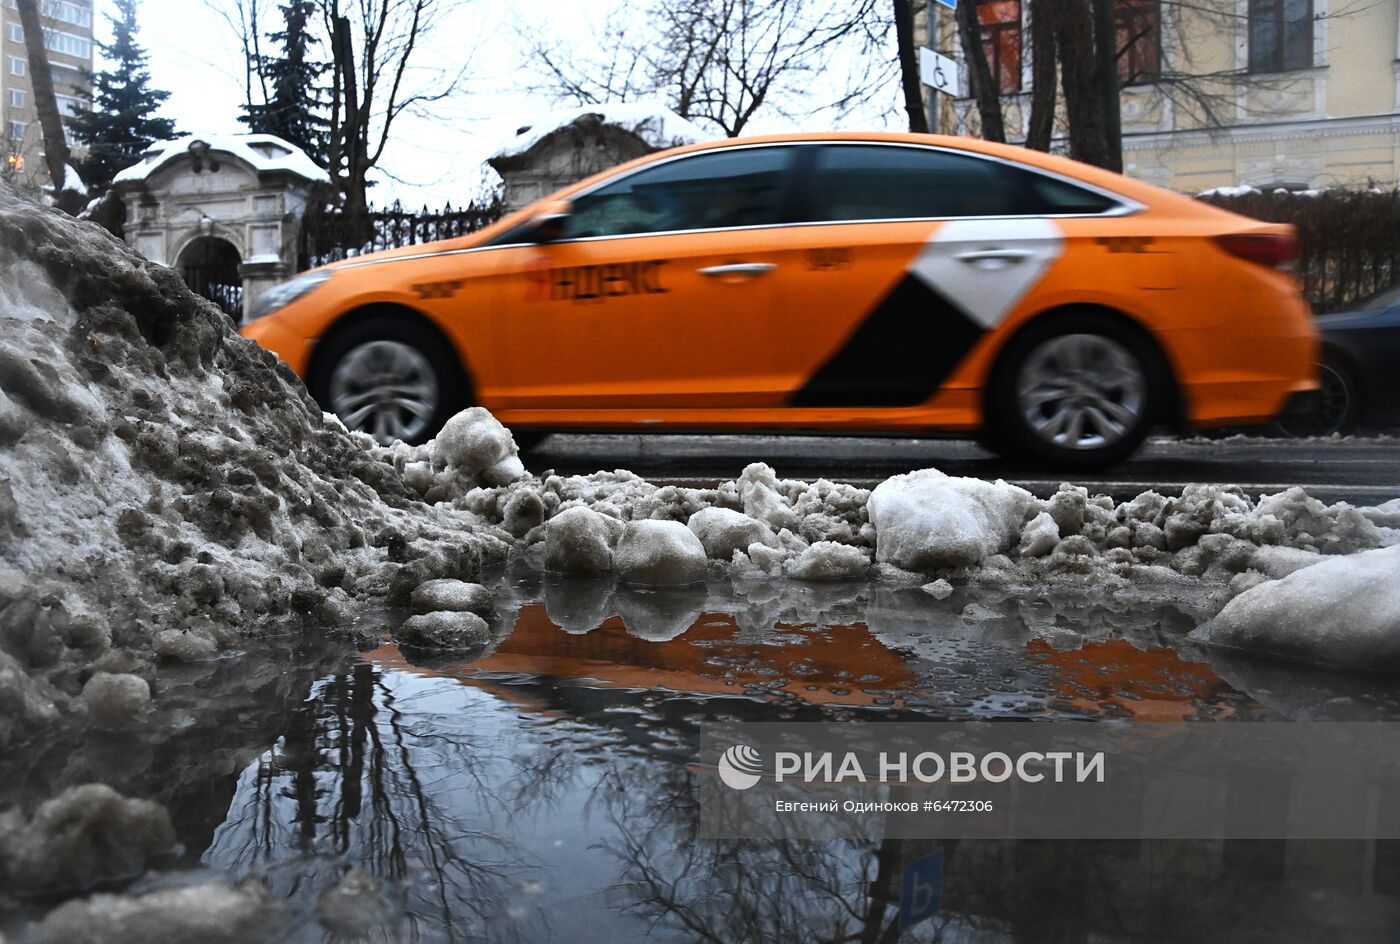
(1075, 391)
(389, 377)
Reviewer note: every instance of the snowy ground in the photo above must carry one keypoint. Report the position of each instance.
(169, 492)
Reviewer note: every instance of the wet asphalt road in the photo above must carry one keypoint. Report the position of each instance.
(1361, 471)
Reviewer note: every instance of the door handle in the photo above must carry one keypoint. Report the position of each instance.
(994, 258)
(738, 268)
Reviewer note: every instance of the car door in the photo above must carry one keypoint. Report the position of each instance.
(911, 255)
(658, 295)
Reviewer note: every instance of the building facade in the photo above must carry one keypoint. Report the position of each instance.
(1268, 93)
(68, 38)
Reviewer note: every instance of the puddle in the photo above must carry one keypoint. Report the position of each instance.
(541, 791)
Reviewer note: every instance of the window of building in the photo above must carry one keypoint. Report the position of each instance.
(742, 187)
(67, 12)
(68, 44)
(16, 32)
(875, 182)
(1280, 35)
(17, 98)
(16, 65)
(15, 130)
(1139, 24)
(1000, 21)
(69, 105)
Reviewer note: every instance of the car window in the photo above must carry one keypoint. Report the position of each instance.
(709, 191)
(877, 182)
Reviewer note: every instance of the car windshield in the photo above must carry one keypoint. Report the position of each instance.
(1388, 298)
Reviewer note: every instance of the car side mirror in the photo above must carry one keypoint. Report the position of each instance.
(548, 223)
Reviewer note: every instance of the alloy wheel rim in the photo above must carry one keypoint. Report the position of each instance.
(1082, 392)
(385, 388)
(1330, 413)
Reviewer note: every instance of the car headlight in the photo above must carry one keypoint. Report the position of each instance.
(284, 293)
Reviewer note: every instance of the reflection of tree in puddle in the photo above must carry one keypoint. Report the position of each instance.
(993, 890)
(361, 778)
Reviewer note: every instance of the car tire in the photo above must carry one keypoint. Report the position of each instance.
(1075, 391)
(391, 377)
(1337, 408)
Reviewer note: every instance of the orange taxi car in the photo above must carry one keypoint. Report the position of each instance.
(839, 282)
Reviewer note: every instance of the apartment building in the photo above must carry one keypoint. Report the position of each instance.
(1269, 93)
(68, 38)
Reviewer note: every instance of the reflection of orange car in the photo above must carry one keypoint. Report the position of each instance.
(835, 282)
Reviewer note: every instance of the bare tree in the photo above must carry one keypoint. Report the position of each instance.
(1041, 127)
(56, 152)
(909, 67)
(377, 75)
(719, 62)
(986, 88)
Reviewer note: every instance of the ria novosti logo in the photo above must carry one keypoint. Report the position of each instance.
(740, 767)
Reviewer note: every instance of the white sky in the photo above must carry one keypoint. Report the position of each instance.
(195, 57)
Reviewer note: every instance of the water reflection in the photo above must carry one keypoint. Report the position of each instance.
(543, 791)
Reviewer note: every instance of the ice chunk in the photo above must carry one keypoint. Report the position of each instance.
(760, 491)
(114, 699)
(1343, 611)
(1276, 561)
(448, 630)
(723, 531)
(940, 589)
(447, 594)
(476, 443)
(1040, 536)
(85, 833)
(925, 520)
(212, 913)
(827, 560)
(578, 540)
(660, 553)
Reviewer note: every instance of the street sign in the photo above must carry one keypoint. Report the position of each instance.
(922, 894)
(950, 4)
(939, 72)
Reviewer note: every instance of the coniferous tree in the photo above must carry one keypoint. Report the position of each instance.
(121, 123)
(292, 109)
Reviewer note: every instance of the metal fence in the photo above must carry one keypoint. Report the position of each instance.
(1351, 239)
(329, 235)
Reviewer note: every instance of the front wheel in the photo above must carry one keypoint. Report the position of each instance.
(391, 378)
(1075, 391)
(1335, 409)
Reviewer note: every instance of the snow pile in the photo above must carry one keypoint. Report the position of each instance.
(655, 124)
(82, 835)
(1343, 611)
(472, 448)
(168, 489)
(211, 913)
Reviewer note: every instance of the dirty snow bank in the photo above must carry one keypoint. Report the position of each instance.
(1344, 611)
(167, 488)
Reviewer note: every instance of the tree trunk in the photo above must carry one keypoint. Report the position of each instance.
(909, 66)
(1109, 88)
(56, 154)
(985, 86)
(352, 145)
(1041, 128)
(1074, 37)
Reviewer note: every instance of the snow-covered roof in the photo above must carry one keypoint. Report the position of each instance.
(653, 122)
(263, 152)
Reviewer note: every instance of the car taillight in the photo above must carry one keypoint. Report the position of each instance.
(1276, 250)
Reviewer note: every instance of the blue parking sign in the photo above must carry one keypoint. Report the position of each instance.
(922, 894)
(950, 4)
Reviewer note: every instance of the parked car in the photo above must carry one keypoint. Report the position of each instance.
(1358, 369)
(897, 282)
